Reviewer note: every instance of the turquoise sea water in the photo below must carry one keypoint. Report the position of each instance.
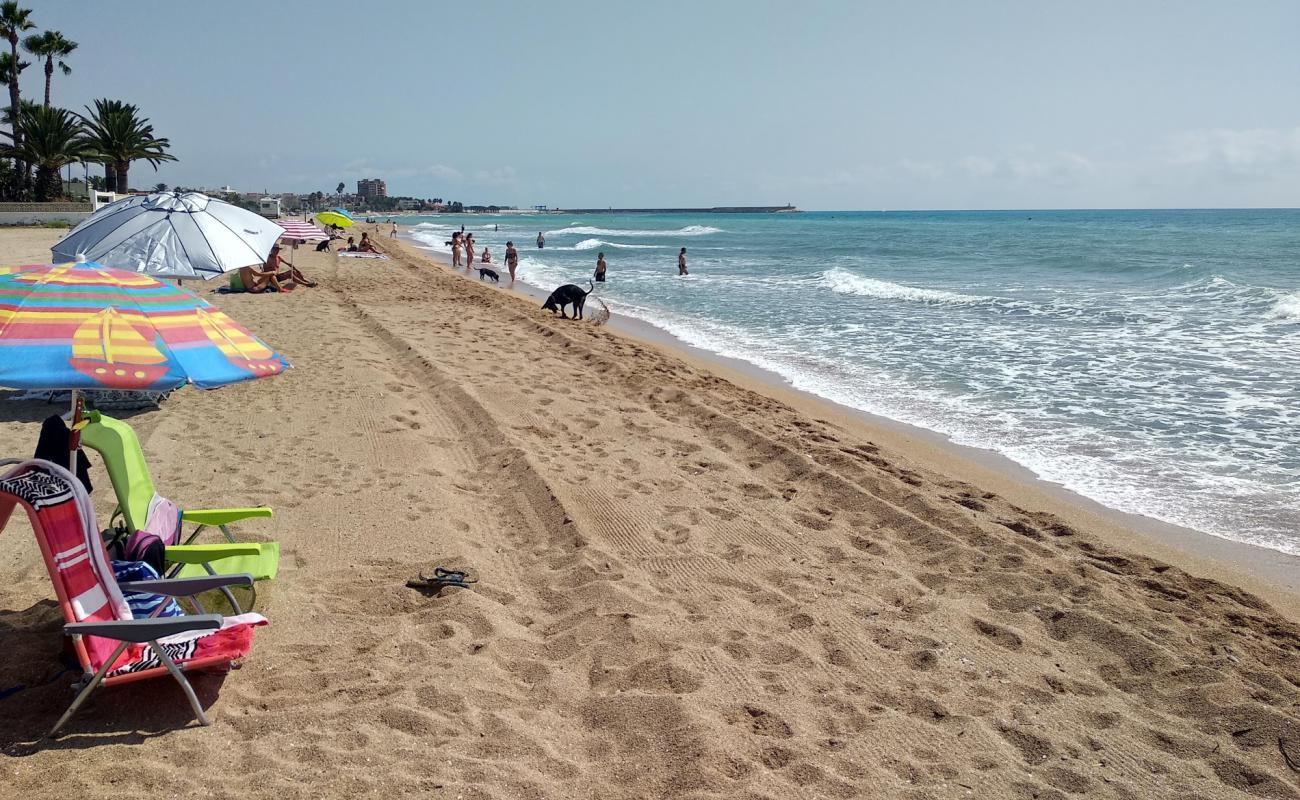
(1149, 360)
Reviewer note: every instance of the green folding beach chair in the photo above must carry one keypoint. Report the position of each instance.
(117, 445)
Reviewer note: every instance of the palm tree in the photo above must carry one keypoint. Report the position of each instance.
(161, 187)
(6, 113)
(340, 189)
(13, 21)
(53, 48)
(121, 136)
(51, 138)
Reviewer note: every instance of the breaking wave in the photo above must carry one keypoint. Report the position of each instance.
(587, 230)
(845, 282)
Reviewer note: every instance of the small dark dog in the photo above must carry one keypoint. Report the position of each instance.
(484, 272)
(565, 295)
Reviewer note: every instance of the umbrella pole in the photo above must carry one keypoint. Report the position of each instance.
(74, 436)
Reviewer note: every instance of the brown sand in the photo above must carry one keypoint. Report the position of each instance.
(687, 589)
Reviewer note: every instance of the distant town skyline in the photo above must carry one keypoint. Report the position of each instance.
(831, 105)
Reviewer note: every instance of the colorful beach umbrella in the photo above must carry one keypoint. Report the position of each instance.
(171, 235)
(84, 326)
(301, 231)
(343, 219)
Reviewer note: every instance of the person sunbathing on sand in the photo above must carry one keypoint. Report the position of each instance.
(366, 245)
(285, 272)
(255, 281)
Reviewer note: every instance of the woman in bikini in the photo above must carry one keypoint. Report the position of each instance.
(469, 251)
(512, 259)
(455, 249)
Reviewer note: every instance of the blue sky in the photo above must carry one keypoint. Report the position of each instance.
(828, 105)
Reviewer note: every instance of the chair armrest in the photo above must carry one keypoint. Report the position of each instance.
(185, 587)
(144, 630)
(223, 516)
(203, 553)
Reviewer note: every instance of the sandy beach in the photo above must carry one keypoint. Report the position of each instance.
(691, 583)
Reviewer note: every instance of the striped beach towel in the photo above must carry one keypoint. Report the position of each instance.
(357, 254)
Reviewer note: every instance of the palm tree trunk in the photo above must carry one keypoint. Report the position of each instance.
(46, 180)
(122, 167)
(13, 112)
(49, 78)
(110, 178)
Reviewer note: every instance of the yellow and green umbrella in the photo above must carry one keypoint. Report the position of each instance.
(336, 216)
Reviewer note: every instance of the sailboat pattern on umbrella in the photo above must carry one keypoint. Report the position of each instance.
(107, 349)
(237, 344)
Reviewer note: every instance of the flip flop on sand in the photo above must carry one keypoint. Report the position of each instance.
(441, 578)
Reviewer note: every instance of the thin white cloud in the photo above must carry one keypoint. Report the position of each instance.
(1242, 152)
(500, 176)
(929, 170)
(978, 166)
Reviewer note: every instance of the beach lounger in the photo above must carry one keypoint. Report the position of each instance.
(123, 458)
(111, 645)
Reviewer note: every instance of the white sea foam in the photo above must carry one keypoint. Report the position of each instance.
(1287, 307)
(845, 282)
(587, 230)
(593, 244)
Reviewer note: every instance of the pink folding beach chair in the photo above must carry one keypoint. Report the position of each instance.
(112, 646)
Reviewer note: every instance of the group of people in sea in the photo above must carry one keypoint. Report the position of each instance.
(463, 252)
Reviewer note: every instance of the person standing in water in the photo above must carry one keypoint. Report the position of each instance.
(469, 250)
(393, 233)
(512, 259)
(541, 240)
(600, 268)
(681, 263)
(455, 250)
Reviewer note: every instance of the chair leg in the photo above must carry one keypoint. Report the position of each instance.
(182, 680)
(194, 534)
(84, 694)
(230, 537)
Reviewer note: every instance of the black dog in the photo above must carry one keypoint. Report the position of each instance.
(566, 294)
(484, 272)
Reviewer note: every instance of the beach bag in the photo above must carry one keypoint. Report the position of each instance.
(162, 528)
(144, 604)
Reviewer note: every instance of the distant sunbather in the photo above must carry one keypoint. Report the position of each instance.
(366, 245)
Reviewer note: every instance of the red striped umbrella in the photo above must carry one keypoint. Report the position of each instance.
(301, 231)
